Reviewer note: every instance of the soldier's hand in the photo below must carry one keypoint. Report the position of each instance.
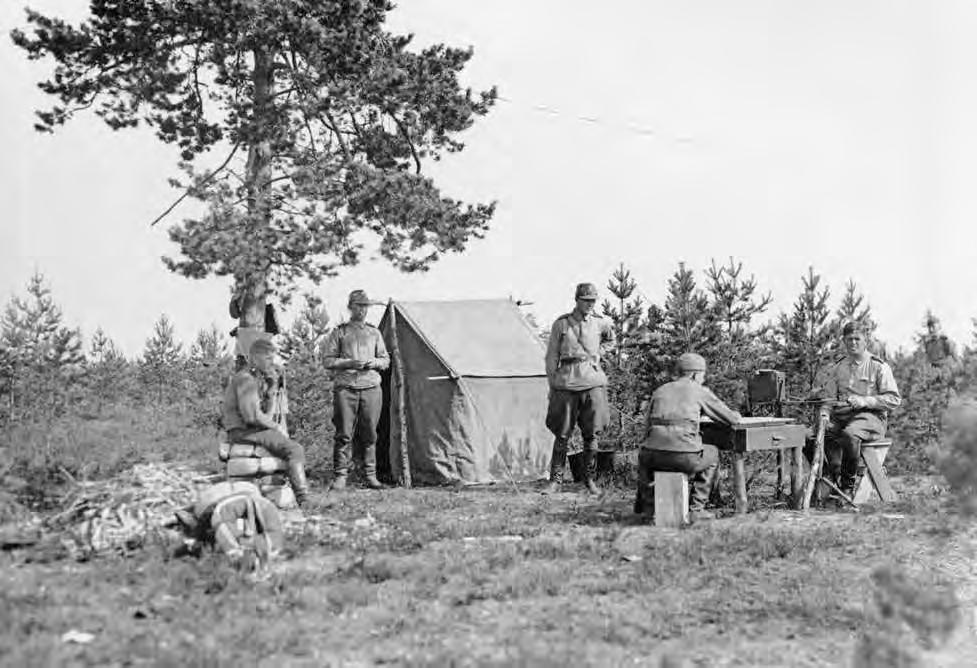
(856, 401)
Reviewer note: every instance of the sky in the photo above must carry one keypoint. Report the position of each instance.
(785, 134)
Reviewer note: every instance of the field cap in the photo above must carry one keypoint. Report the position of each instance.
(262, 346)
(853, 327)
(359, 297)
(691, 362)
(586, 291)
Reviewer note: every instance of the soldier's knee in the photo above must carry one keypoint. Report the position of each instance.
(296, 452)
(710, 454)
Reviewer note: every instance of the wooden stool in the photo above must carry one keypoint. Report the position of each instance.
(671, 499)
(873, 454)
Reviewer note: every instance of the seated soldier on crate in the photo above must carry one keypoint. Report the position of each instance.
(858, 392)
(672, 441)
(250, 401)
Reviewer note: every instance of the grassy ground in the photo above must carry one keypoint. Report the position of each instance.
(498, 576)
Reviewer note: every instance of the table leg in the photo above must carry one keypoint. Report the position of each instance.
(739, 481)
(780, 474)
(797, 476)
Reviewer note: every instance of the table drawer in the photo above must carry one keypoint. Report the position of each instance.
(751, 438)
(769, 438)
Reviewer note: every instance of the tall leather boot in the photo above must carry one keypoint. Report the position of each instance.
(557, 463)
(370, 468)
(296, 475)
(589, 456)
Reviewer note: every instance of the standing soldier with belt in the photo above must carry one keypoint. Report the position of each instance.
(672, 441)
(578, 385)
(355, 351)
(858, 393)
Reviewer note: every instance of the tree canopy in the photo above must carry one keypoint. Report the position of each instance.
(303, 125)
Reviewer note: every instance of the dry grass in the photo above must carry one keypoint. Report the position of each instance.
(494, 577)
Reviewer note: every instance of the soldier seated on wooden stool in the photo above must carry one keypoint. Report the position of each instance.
(859, 392)
(672, 442)
(245, 414)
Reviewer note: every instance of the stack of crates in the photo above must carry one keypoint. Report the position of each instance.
(252, 463)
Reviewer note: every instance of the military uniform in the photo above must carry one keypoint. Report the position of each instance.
(870, 380)
(237, 520)
(275, 441)
(578, 384)
(672, 441)
(357, 396)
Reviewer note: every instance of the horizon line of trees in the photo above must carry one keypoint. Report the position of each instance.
(46, 371)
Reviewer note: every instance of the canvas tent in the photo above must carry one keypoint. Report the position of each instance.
(467, 393)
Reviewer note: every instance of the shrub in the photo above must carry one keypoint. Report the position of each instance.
(957, 456)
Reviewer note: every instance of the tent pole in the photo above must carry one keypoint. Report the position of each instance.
(401, 398)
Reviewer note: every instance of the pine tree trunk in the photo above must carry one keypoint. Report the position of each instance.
(258, 183)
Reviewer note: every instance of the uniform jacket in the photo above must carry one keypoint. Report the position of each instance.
(574, 335)
(869, 377)
(672, 421)
(359, 341)
(271, 395)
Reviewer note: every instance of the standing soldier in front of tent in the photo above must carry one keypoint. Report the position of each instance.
(578, 384)
(356, 352)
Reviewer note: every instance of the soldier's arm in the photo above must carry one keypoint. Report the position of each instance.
(888, 397)
(249, 403)
(716, 409)
(553, 350)
(381, 359)
(331, 353)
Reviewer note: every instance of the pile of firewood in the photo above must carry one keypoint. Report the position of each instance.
(122, 513)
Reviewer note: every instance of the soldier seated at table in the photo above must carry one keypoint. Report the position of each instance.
(858, 393)
(672, 442)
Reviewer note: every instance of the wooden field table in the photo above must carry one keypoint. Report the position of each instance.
(756, 434)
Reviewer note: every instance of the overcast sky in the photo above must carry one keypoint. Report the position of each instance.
(783, 133)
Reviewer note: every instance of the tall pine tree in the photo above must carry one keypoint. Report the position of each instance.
(803, 339)
(309, 383)
(108, 372)
(741, 345)
(42, 359)
(854, 308)
(323, 122)
(623, 383)
(161, 366)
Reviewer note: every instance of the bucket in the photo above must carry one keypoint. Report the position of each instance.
(604, 463)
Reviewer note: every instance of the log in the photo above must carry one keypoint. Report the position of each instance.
(400, 382)
(817, 462)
